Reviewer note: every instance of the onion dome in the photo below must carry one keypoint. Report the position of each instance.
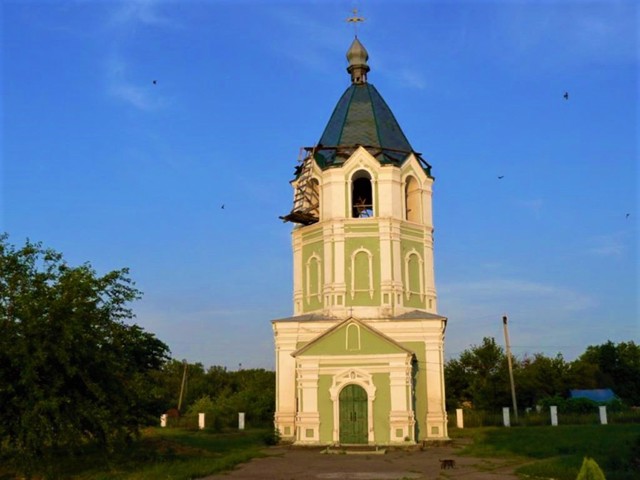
(362, 118)
(357, 56)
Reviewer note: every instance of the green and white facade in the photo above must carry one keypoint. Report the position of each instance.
(361, 359)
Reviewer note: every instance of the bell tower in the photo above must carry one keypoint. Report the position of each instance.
(364, 297)
(363, 244)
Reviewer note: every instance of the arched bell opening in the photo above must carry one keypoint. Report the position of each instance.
(361, 195)
(314, 198)
(412, 200)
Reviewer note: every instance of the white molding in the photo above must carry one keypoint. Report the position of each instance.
(407, 275)
(369, 272)
(318, 294)
(357, 334)
(352, 376)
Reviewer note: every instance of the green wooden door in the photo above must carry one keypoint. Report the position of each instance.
(353, 415)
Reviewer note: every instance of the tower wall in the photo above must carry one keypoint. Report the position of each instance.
(365, 318)
(380, 265)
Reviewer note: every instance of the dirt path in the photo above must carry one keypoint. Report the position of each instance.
(289, 463)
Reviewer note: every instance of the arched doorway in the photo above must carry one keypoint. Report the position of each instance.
(353, 415)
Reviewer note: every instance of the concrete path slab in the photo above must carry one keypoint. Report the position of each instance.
(291, 463)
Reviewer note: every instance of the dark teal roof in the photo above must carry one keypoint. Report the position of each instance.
(362, 118)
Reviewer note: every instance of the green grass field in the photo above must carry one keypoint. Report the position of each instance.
(172, 454)
(175, 454)
(557, 452)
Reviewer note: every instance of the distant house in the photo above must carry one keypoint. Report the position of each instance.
(599, 395)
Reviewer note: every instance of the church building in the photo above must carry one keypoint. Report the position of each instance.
(361, 361)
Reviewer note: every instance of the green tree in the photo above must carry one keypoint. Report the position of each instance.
(612, 366)
(71, 369)
(539, 377)
(458, 380)
(221, 393)
(480, 375)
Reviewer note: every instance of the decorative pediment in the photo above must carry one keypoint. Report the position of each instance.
(361, 158)
(414, 165)
(353, 376)
(352, 337)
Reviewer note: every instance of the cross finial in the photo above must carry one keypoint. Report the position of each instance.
(355, 20)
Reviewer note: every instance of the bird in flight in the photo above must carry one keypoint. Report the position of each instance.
(222, 207)
(155, 82)
(566, 95)
(627, 216)
(500, 177)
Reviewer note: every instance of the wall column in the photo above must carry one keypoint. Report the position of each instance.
(308, 417)
(285, 381)
(436, 410)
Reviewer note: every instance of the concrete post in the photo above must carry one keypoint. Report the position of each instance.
(201, 421)
(241, 421)
(459, 418)
(554, 415)
(163, 420)
(603, 414)
(505, 417)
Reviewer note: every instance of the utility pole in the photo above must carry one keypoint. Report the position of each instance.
(513, 386)
(184, 381)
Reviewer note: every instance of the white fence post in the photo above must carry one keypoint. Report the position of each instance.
(201, 421)
(459, 418)
(163, 420)
(241, 421)
(554, 415)
(505, 417)
(603, 414)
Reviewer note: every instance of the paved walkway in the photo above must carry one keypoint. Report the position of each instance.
(294, 463)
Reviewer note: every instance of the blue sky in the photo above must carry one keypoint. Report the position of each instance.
(105, 166)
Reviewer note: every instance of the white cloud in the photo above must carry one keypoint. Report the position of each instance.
(534, 206)
(304, 39)
(121, 87)
(584, 32)
(493, 296)
(140, 11)
(121, 24)
(410, 78)
(213, 335)
(543, 318)
(610, 245)
(132, 95)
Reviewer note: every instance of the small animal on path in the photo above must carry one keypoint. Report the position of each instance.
(447, 463)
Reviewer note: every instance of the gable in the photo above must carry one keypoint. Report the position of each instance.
(352, 337)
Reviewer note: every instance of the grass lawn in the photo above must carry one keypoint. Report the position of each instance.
(557, 452)
(171, 454)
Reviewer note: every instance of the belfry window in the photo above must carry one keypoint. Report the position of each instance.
(314, 197)
(361, 195)
(412, 200)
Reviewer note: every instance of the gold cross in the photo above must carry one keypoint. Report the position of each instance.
(355, 20)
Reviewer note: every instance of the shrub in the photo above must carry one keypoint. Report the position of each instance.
(590, 470)
(579, 405)
(634, 454)
(556, 400)
(271, 437)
